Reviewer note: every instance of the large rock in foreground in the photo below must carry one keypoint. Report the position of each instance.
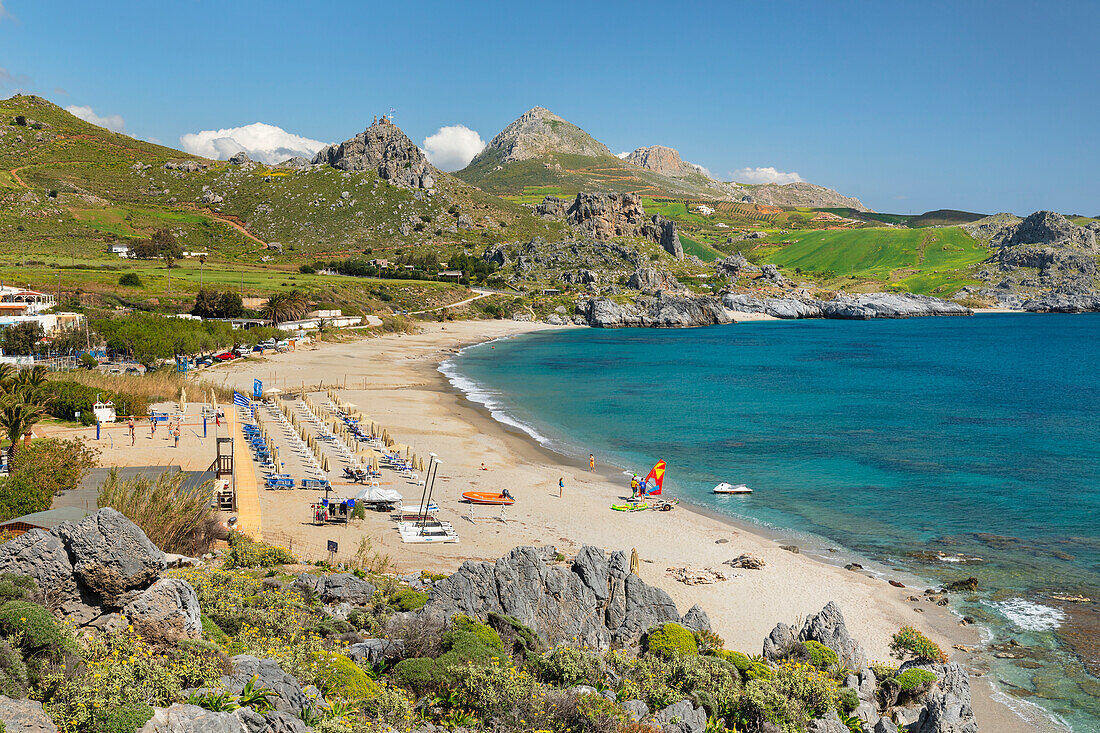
(595, 601)
(166, 611)
(110, 554)
(826, 627)
(26, 716)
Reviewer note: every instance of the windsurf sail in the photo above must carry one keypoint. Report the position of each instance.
(654, 480)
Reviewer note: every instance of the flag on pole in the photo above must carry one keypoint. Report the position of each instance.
(239, 400)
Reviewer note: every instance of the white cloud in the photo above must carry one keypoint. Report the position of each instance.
(452, 148)
(764, 175)
(622, 156)
(262, 142)
(114, 123)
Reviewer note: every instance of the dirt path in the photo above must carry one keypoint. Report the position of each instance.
(480, 294)
(15, 174)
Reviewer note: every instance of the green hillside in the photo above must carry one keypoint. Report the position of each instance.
(932, 261)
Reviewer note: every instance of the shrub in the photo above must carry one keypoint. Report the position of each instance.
(244, 552)
(14, 678)
(33, 630)
(130, 280)
(915, 678)
(820, 655)
(390, 705)
(211, 631)
(47, 467)
(408, 599)
(343, 678)
(737, 659)
(520, 641)
(471, 640)
(847, 699)
(708, 640)
(17, 588)
(600, 715)
(568, 666)
(909, 642)
(173, 517)
(418, 673)
(126, 718)
(671, 640)
(794, 695)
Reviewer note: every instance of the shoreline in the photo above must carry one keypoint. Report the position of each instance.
(420, 406)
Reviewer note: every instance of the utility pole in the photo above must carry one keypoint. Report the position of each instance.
(202, 261)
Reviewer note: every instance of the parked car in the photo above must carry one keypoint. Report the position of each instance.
(224, 356)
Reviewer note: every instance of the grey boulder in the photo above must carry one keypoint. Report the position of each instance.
(826, 627)
(696, 619)
(337, 588)
(375, 651)
(42, 556)
(168, 610)
(290, 698)
(192, 719)
(636, 709)
(947, 707)
(110, 554)
(595, 602)
(831, 723)
(682, 717)
(26, 716)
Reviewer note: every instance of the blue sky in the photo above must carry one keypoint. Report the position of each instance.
(910, 106)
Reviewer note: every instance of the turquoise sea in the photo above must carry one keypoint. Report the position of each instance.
(949, 447)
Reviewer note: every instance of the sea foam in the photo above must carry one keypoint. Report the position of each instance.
(1030, 616)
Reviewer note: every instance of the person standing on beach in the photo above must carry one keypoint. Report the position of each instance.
(591, 462)
(176, 436)
(133, 432)
(561, 486)
(152, 427)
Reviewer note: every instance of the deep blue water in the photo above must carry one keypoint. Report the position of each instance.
(968, 436)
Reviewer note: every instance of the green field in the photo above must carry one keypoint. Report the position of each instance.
(934, 261)
(703, 251)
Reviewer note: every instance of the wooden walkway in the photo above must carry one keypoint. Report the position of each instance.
(244, 479)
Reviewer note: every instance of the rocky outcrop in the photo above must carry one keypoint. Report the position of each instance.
(26, 716)
(336, 588)
(181, 718)
(1062, 303)
(295, 162)
(1047, 228)
(552, 206)
(846, 307)
(538, 258)
(663, 232)
(666, 161)
(91, 570)
(375, 651)
(595, 601)
(734, 266)
(239, 158)
(385, 149)
(663, 311)
(606, 215)
(290, 698)
(110, 554)
(800, 194)
(947, 707)
(166, 611)
(826, 627)
(681, 717)
(535, 134)
(652, 280)
(771, 274)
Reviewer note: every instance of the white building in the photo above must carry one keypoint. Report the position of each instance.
(122, 250)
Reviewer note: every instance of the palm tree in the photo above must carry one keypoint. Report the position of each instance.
(30, 384)
(286, 306)
(7, 376)
(17, 419)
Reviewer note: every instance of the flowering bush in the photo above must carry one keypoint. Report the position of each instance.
(245, 552)
(566, 665)
(915, 678)
(671, 640)
(795, 694)
(909, 642)
(820, 655)
(122, 672)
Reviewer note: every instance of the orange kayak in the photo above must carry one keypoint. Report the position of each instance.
(487, 497)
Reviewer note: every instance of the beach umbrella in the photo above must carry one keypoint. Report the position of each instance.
(183, 400)
(275, 455)
(635, 563)
(324, 464)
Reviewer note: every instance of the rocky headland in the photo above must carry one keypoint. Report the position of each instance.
(383, 148)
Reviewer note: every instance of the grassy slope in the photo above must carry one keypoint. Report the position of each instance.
(933, 261)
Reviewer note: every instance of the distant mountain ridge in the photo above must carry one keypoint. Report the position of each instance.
(540, 150)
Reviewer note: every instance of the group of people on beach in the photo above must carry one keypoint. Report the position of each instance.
(174, 428)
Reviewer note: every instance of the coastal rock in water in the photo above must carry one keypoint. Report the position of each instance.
(385, 149)
(110, 554)
(664, 311)
(336, 588)
(595, 602)
(1062, 303)
(889, 305)
(291, 698)
(168, 610)
(682, 717)
(26, 716)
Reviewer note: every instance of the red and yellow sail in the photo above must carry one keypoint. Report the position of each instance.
(657, 477)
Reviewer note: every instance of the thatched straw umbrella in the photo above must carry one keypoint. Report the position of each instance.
(635, 563)
(324, 464)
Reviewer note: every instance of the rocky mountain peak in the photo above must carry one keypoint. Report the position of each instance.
(384, 148)
(663, 160)
(1049, 228)
(539, 131)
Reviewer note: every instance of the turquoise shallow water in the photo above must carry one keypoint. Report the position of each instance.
(919, 443)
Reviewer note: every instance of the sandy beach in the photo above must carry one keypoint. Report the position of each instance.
(395, 381)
